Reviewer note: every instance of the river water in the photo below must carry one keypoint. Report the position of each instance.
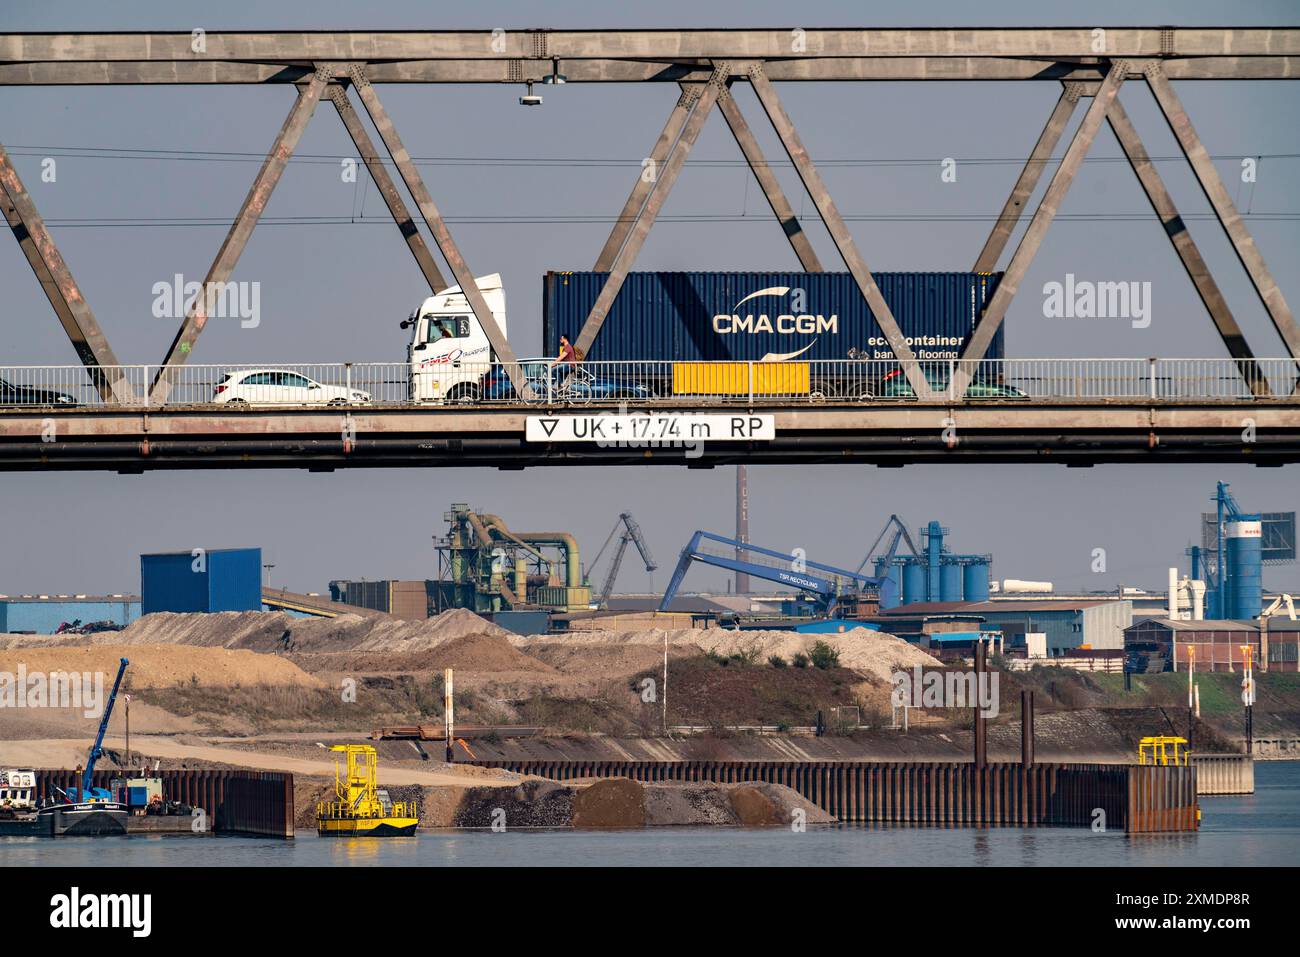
(1250, 830)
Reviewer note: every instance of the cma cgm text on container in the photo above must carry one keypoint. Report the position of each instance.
(766, 316)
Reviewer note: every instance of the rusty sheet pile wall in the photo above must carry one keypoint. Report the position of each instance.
(1137, 799)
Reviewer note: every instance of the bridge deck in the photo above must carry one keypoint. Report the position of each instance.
(1077, 432)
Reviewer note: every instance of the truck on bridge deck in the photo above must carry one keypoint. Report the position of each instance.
(708, 334)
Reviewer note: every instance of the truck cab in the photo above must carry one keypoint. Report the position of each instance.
(449, 352)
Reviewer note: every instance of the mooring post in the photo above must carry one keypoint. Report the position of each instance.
(1027, 728)
(981, 729)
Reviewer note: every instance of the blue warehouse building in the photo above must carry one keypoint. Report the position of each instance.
(42, 614)
(217, 579)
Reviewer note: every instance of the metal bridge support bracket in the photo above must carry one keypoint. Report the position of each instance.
(1027, 182)
(1224, 209)
(659, 191)
(1188, 253)
(647, 178)
(241, 230)
(437, 226)
(60, 288)
(978, 343)
(387, 188)
(767, 181)
(843, 239)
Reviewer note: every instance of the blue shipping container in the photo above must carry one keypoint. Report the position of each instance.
(224, 579)
(756, 316)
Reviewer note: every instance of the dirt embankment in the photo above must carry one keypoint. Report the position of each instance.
(279, 632)
(604, 803)
(160, 666)
(473, 653)
(870, 653)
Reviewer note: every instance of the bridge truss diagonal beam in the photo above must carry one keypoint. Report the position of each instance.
(387, 188)
(662, 186)
(994, 314)
(647, 178)
(843, 239)
(1027, 181)
(1188, 252)
(241, 230)
(460, 271)
(769, 184)
(59, 286)
(1224, 208)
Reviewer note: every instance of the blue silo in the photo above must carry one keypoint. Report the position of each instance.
(950, 581)
(1245, 587)
(914, 582)
(975, 584)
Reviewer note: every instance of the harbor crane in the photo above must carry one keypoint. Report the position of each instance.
(87, 792)
(900, 535)
(827, 587)
(631, 532)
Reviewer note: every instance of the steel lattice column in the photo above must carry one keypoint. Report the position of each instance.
(654, 203)
(241, 230)
(978, 343)
(60, 288)
(437, 226)
(387, 188)
(1226, 211)
(843, 239)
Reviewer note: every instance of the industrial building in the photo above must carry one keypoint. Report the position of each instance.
(218, 579)
(408, 600)
(1163, 644)
(1068, 624)
(44, 614)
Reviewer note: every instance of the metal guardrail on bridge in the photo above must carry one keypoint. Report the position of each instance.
(243, 386)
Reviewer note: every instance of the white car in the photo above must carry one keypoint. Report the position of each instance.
(281, 387)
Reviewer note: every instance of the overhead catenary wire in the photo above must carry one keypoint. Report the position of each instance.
(192, 155)
(251, 156)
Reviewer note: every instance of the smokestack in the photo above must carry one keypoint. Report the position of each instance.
(742, 526)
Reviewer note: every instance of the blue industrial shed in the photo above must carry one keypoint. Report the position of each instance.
(203, 580)
(42, 614)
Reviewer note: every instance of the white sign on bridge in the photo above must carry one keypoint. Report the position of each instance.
(632, 429)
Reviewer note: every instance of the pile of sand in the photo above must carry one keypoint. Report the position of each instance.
(868, 652)
(468, 654)
(161, 666)
(276, 631)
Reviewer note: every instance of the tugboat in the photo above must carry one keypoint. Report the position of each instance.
(361, 808)
(87, 810)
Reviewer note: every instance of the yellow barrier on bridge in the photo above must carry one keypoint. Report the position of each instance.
(733, 378)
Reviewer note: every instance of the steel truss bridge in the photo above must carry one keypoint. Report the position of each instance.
(134, 424)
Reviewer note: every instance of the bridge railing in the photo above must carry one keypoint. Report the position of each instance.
(688, 383)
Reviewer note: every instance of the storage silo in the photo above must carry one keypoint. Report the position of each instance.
(914, 574)
(975, 581)
(895, 574)
(950, 582)
(1245, 598)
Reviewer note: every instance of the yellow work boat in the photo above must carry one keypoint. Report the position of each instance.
(360, 807)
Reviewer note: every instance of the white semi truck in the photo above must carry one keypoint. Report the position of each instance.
(449, 352)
